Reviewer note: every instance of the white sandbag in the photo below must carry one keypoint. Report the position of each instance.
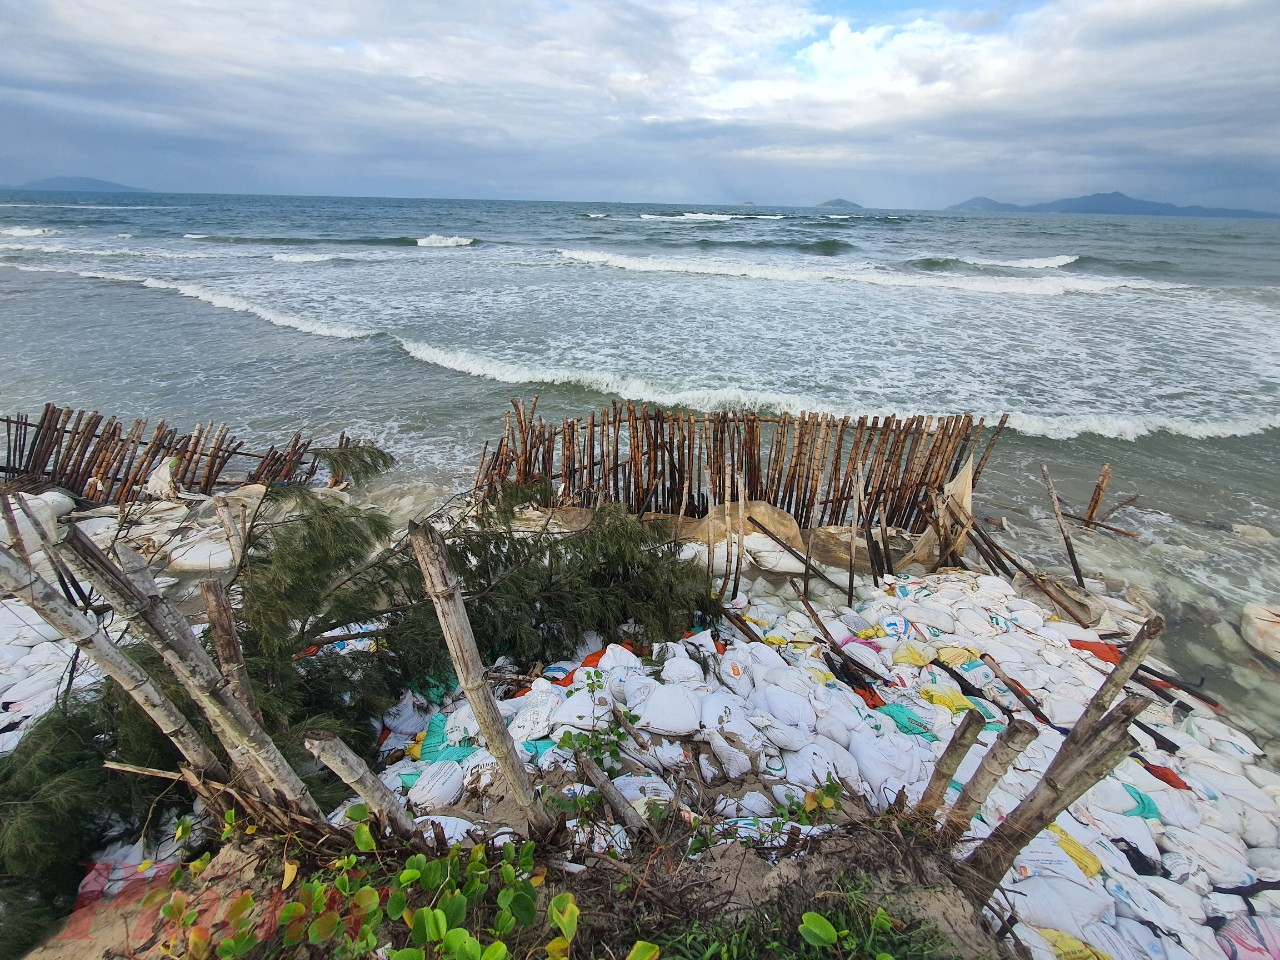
(734, 671)
(1264, 858)
(585, 710)
(439, 785)
(997, 586)
(1034, 941)
(461, 725)
(1108, 940)
(455, 829)
(736, 763)
(682, 670)
(670, 710)
(1134, 901)
(768, 555)
(635, 788)
(752, 804)
(1222, 857)
(721, 707)
(790, 708)
(781, 735)
(479, 771)
(1044, 857)
(842, 761)
(1185, 903)
(1260, 627)
(533, 722)
(408, 717)
(616, 655)
(1061, 904)
(865, 656)
(764, 655)
(941, 621)
(828, 726)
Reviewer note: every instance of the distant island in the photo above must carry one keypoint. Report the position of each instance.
(78, 185)
(1107, 203)
(842, 204)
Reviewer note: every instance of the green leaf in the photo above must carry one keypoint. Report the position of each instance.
(437, 925)
(408, 876)
(508, 873)
(396, 904)
(817, 930)
(454, 906)
(239, 907)
(495, 951)
(323, 927)
(503, 923)
(409, 953)
(343, 883)
(508, 852)
(563, 912)
(524, 909)
(358, 812)
(364, 839)
(292, 911)
(433, 875)
(454, 940)
(644, 950)
(526, 856)
(420, 932)
(882, 921)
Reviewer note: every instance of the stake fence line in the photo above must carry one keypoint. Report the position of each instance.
(106, 461)
(650, 459)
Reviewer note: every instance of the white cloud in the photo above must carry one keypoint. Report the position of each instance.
(533, 97)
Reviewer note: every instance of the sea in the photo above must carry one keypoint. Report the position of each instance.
(1150, 343)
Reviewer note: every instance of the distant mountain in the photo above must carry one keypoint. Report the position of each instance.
(80, 185)
(1109, 203)
(842, 204)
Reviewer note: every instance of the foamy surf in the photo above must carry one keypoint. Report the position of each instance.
(27, 231)
(435, 240)
(303, 257)
(1030, 286)
(1031, 263)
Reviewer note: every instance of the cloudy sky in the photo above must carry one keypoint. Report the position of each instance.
(776, 101)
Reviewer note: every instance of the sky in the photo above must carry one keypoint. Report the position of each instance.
(681, 101)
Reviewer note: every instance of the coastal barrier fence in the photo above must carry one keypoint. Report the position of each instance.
(650, 459)
(106, 461)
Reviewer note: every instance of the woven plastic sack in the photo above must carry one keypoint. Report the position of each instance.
(439, 785)
(1061, 904)
(670, 710)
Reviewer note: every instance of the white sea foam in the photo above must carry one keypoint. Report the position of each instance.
(1031, 263)
(1033, 286)
(1130, 428)
(435, 240)
(226, 301)
(103, 251)
(303, 257)
(687, 217)
(597, 216)
(27, 231)
(195, 236)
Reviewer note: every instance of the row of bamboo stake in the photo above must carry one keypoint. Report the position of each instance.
(106, 461)
(681, 462)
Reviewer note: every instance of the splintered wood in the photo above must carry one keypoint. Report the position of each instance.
(815, 466)
(106, 461)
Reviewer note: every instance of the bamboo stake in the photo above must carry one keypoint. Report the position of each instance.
(1099, 491)
(442, 585)
(1062, 525)
(329, 749)
(1012, 741)
(944, 771)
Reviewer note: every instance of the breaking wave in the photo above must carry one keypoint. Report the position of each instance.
(304, 257)
(1033, 286)
(435, 240)
(27, 231)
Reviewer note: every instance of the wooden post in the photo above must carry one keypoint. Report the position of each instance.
(1011, 742)
(20, 580)
(944, 770)
(1062, 785)
(230, 528)
(222, 627)
(442, 585)
(329, 749)
(1062, 525)
(1111, 687)
(1099, 491)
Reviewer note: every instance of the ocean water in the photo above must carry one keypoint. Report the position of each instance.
(1149, 343)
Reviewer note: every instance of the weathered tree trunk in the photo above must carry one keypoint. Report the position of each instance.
(628, 814)
(1066, 781)
(132, 591)
(1011, 742)
(944, 771)
(222, 627)
(442, 585)
(329, 749)
(54, 609)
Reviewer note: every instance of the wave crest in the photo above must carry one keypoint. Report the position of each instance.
(435, 240)
(28, 231)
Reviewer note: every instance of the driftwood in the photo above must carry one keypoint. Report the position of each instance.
(226, 642)
(329, 749)
(1062, 525)
(442, 585)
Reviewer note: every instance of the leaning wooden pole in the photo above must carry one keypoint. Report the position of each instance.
(23, 582)
(226, 643)
(1063, 784)
(1011, 742)
(1062, 525)
(442, 585)
(329, 749)
(944, 771)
